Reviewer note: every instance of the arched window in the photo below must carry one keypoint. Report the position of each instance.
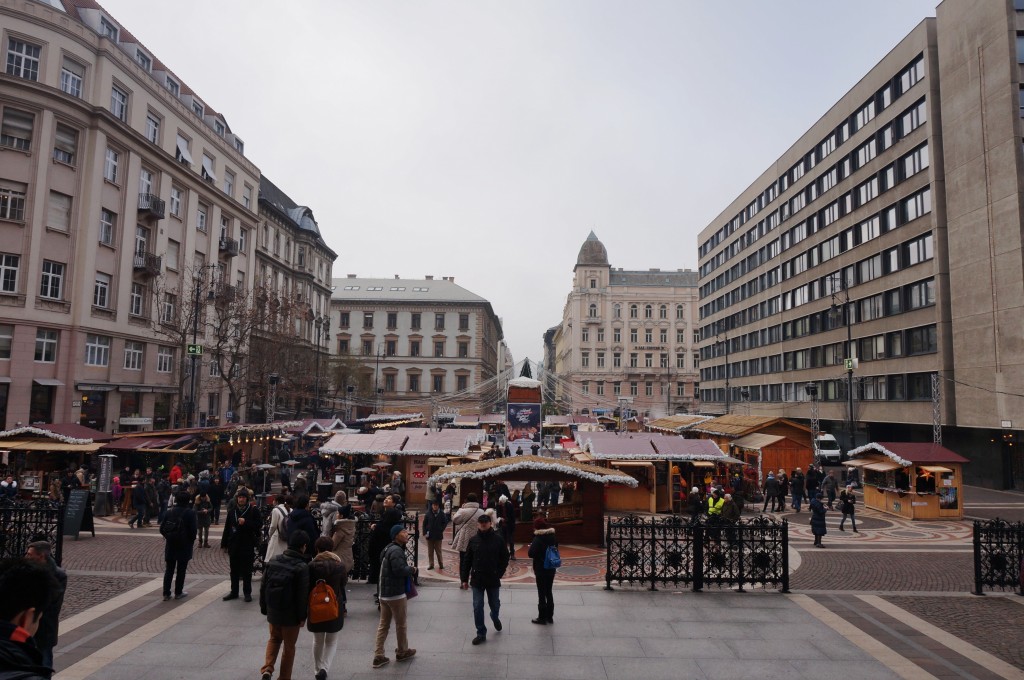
(663, 312)
(633, 310)
(617, 311)
(648, 311)
(593, 311)
(680, 312)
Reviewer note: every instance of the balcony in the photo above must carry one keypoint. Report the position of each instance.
(225, 292)
(228, 246)
(147, 263)
(151, 205)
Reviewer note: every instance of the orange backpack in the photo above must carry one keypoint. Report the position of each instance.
(323, 603)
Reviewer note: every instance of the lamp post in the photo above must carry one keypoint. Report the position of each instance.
(836, 313)
(349, 389)
(322, 324)
(811, 389)
(728, 396)
(194, 351)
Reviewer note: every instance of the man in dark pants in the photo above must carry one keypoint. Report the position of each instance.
(179, 530)
(46, 636)
(216, 497)
(139, 503)
(488, 559)
(242, 528)
(284, 600)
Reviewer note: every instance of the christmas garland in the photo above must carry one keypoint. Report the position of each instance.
(880, 449)
(43, 433)
(442, 476)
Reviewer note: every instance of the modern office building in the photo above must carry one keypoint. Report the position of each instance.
(626, 338)
(425, 342)
(126, 202)
(883, 252)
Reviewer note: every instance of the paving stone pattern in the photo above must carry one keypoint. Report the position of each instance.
(890, 571)
(88, 591)
(135, 553)
(993, 624)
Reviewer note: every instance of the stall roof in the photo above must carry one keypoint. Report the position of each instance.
(492, 419)
(503, 466)
(734, 425)
(310, 425)
(911, 453)
(132, 443)
(404, 441)
(677, 423)
(69, 433)
(756, 442)
(50, 445)
(648, 446)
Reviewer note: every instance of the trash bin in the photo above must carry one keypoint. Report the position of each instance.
(323, 492)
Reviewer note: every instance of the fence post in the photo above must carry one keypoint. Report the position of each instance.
(650, 528)
(59, 540)
(738, 528)
(697, 527)
(608, 554)
(977, 559)
(785, 556)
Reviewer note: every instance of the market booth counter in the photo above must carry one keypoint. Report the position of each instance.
(912, 480)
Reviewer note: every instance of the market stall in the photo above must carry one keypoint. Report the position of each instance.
(910, 479)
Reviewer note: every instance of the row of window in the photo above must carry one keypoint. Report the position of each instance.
(415, 321)
(634, 335)
(883, 98)
(634, 311)
(97, 350)
(390, 348)
(413, 382)
(892, 387)
(634, 388)
(634, 360)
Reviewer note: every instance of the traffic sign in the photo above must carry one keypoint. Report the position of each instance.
(195, 349)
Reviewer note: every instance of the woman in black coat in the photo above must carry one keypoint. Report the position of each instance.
(178, 543)
(543, 538)
(326, 567)
(300, 518)
(818, 511)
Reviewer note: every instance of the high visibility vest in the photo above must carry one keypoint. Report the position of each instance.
(715, 507)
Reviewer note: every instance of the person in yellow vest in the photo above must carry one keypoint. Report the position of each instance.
(715, 504)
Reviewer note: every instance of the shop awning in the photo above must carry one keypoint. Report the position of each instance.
(632, 463)
(60, 446)
(700, 463)
(48, 382)
(132, 443)
(859, 462)
(935, 468)
(437, 461)
(583, 457)
(883, 466)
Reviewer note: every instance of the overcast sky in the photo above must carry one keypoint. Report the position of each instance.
(484, 140)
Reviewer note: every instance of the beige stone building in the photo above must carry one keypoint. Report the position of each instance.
(126, 202)
(897, 219)
(626, 337)
(426, 343)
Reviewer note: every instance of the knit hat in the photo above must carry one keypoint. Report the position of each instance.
(540, 523)
(395, 530)
(340, 498)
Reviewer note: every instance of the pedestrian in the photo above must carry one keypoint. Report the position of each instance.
(176, 473)
(380, 535)
(488, 560)
(797, 485)
(847, 499)
(507, 521)
(464, 527)
(301, 519)
(344, 537)
(26, 588)
(216, 497)
(203, 507)
(163, 494)
(811, 481)
(326, 567)
(543, 538)
(286, 480)
(771, 492)
(783, 488)
(46, 637)
(116, 492)
(694, 503)
(152, 500)
(139, 504)
(284, 600)
(9, 487)
(829, 485)
(553, 492)
(277, 538)
(179, 530)
(434, 524)
(567, 491)
(395, 576)
(730, 516)
(331, 510)
(526, 512)
(242, 529)
(818, 511)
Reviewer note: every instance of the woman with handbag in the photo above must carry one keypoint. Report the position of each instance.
(326, 567)
(277, 541)
(543, 538)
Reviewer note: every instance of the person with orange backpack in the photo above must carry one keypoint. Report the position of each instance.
(327, 578)
(284, 600)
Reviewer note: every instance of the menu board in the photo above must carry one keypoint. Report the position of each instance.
(78, 514)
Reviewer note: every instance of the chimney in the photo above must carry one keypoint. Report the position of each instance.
(396, 277)
(351, 276)
(452, 279)
(429, 277)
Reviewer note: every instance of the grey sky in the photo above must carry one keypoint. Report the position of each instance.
(485, 139)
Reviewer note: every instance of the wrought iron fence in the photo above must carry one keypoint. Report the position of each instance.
(998, 555)
(680, 551)
(24, 522)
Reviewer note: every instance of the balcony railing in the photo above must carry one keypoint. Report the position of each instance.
(226, 292)
(152, 205)
(228, 246)
(148, 263)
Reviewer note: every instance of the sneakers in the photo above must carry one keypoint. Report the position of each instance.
(167, 597)
(406, 655)
(180, 595)
(479, 640)
(497, 624)
(320, 675)
(380, 661)
(265, 676)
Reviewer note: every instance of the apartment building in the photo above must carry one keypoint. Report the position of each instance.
(878, 260)
(419, 340)
(626, 337)
(126, 204)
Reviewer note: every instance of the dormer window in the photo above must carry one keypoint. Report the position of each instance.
(172, 86)
(219, 127)
(239, 145)
(144, 61)
(197, 108)
(108, 29)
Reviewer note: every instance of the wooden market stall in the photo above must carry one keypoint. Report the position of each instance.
(40, 453)
(580, 522)
(766, 453)
(916, 480)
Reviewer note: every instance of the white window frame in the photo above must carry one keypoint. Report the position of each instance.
(202, 214)
(65, 147)
(9, 266)
(111, 160)
(164, 359)
(133, 355)
(136, 299)
(46, 346)
(17, 129)
(72, 78)
(119, 103)
(23, 59)
(177, 194)
(108, 226)
(153, 128)
(97, 350)
(51, 280)
(101, 291)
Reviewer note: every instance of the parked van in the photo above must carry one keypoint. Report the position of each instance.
(827, 451)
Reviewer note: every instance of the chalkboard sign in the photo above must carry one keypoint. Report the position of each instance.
(204, 449)
(78, 514)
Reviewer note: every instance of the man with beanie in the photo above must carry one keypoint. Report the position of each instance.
(284, 599)
(488, 560)
(395, 572)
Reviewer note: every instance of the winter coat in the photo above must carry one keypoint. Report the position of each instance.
(344, 538)
(21, 660)
(329, 512)
(394, 571)
(277, 542)
(488, 559)
(179, 550)
(290, 568)
(46, 635)
(542, 539)
(694, 505)
(771, 487)
(818, 512)
(434, 524)
(242, 539)
(526, 510)
(152, 499)
(381, 534)
(830, 483)
(798, 484)
(139, 495)
(847, 500)
(204, 508)
(507, 513)
(465, 526)
(783, 484)
(327, 567)
(730, 511)
(301, 519)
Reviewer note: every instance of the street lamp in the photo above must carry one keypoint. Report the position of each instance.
(194, 350)
(837, 313)
(728, 396)
(349, 389)
(322, 324)
(376, 370)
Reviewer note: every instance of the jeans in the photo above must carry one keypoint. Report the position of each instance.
(493, 602)
(545, 595)
(281, 636)
(798, 498)
(852, 519)
(203, 534)
(324, 645)
(179, 582)
(831, 498)
(396, 610)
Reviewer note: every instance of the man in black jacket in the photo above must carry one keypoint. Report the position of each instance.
(46, 637)
(433, 531)
(179, 530)
(25, 590)
(284, 599)
(139, 504)
(488, 558)
(301, 519)
(242, 529)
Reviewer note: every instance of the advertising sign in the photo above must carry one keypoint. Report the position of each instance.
(523, 422)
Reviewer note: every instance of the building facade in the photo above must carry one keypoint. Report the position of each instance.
(425, 343)
(626, 338)
(126, 204)
(879, 260)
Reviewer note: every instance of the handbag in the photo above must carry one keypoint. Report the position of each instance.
(410, 588)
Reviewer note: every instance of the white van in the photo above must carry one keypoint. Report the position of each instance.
(826, 450)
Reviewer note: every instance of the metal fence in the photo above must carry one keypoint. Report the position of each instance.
(998, 555)
(24, 522)
(361, 544)
(680, 551)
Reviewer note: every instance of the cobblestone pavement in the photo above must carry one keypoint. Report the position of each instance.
(990, 623)
(884, 571)
(982, 503)
(136, 551)
(86, 590)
